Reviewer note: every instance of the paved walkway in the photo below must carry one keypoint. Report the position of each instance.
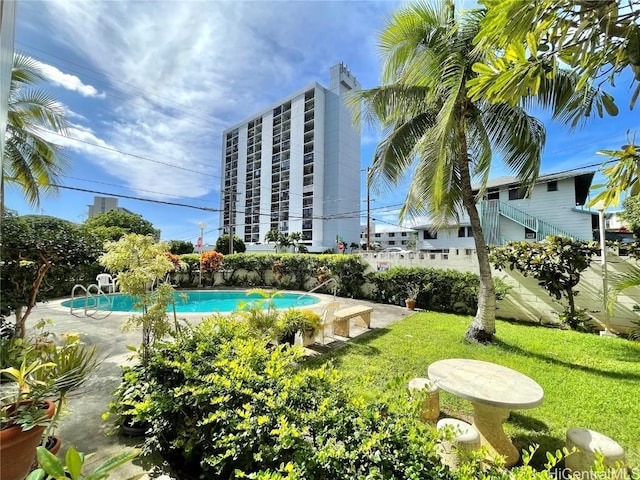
(83, 426)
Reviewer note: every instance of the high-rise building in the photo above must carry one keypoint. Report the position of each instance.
(295, 167)
(104, 204)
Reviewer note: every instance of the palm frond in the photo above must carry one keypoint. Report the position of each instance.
(32, 161)
(518, 137)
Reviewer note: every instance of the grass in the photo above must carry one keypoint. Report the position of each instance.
(588, 381)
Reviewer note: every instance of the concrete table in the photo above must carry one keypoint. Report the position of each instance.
(493, 390)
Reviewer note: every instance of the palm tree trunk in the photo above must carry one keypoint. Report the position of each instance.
(483, 326)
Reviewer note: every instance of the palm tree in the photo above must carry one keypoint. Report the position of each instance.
(296, 238)
(31, 160)
(272, 236)
(438, 137)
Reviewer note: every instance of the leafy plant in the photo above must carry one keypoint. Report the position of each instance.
(223, 406)
(413, 291)
(260, 314)
(52, 468)
(295, 320)
(556, 263)
(130, 398)
(37, 253)
(210, 263)
(50, 368)
(140, 262)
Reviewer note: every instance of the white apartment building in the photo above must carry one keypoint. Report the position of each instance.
(104, 204)
(554, 207)
(295, 167)
(395, 237)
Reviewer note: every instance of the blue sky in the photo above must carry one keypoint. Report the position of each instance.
(150, 86)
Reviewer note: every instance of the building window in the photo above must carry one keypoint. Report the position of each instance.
(391, 234)
(392, 242)
(465, 232)
(493, 194)
(552, 186)
(377, 235)
(427, 235)
(516, 193)
(529, 234)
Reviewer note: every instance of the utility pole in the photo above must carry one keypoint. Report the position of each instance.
(232, 199)
(368, 214)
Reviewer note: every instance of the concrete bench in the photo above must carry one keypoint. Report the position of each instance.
(465, 438)
(341, 319)
(430, 408)
(587, 442)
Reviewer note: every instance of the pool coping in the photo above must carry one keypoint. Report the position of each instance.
(79, 311)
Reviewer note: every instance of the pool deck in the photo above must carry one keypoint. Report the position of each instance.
(84, 428)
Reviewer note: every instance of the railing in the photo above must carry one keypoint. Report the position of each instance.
(518, 216)
(317, 287)
(91, 301)
(490, 211)
(542, 228)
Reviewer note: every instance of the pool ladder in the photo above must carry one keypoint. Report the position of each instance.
(317, 287)
(91, 300)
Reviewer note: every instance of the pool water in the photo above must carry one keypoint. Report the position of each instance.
(196, 301)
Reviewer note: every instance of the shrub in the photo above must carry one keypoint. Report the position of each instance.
(441, 290)
(348, 270)
(211, 263)
(224, 406)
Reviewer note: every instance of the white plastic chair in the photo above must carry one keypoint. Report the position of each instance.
(327, 320)
(106, 281)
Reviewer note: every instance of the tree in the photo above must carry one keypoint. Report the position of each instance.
(114, 224)
(222, 244)
(272, 236)
(631, 214)
(296, 238)
(597, 39)
(438, 137)
(556, 263)
(36, 248)
(180, 247)
(140, 262)
(30, 160)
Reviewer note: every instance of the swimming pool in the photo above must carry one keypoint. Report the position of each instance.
(196, 301)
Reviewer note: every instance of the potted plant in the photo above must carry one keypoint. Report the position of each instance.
(51, 467)
(24, 415)
(293, 321)
(413, 290)
(73, 363)
(47, 373)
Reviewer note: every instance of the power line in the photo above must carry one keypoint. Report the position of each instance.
(119, 186)
(140, 157)
(175, 204)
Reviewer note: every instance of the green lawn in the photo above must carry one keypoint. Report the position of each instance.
(588, 381)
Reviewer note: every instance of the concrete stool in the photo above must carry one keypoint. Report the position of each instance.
(466, 438)
(430, 410)
(588, 442)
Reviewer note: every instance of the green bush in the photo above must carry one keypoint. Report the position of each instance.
(224, 406)
(442, 290)
(349, 271)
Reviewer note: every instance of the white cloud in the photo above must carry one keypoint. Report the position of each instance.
(181, 72)
(70, 82)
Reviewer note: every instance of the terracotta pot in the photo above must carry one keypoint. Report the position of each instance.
(53, 444)
(411, 304)
(18, 448)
